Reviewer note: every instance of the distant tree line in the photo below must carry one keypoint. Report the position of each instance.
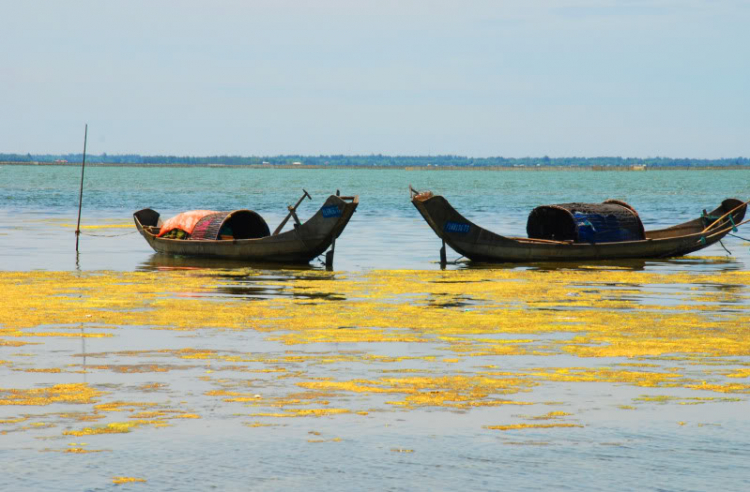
(377, 160)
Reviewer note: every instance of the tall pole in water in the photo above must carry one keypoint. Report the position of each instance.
(80, 194)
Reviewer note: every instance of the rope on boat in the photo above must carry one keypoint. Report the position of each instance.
(452, 262)
(725, 248)
(723, 231)
(107, 235)
(726, 231)
(730, 213)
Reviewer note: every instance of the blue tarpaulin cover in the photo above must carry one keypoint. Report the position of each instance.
(611, 221)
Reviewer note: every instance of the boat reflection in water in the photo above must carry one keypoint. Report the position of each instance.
(243, 280)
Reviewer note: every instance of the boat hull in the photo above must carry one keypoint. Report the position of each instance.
(299, 245)
(479, 244)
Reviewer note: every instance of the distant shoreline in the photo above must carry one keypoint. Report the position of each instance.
(626, 168)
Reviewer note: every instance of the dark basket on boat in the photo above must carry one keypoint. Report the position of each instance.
(610, 221)
(243, 224)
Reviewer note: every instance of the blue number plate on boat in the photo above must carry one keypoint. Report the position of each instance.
(331, 211)
(457, 227)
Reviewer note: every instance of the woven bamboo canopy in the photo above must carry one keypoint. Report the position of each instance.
(610, 221)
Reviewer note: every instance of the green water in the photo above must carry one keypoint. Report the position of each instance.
(386, 231)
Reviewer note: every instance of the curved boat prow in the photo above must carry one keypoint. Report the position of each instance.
(458, 232)
(147, 217)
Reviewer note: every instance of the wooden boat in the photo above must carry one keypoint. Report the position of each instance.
(252, 240)
(478, 244)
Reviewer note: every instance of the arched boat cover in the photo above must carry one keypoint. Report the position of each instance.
(610, 221)
(208, 224)
(240, 224)
(185, 221)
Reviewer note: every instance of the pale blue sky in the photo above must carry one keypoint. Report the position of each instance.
(478, 78)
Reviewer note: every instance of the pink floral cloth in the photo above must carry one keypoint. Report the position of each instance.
(185, 221)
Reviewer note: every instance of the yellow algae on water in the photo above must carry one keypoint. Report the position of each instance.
(134, 368)
(10, 343)
(339, 335)
(612, 317)
(638, 364)
(741, 373)
(307, 412)
(258, 424)
(335, 439)
(116, 406)
(81, 417)
(694, 400)
(722, 388)
(82, 450)
(59, 393)
(381, 314)
(453, 391)
(357, 386)
(100, 226)
(318, 412)
(114, 428)
(122, 480)
(637, 378)
(528, 426)
(111, 428)
(149, 387)
(550, 416)
(148, 415)
(63, 334)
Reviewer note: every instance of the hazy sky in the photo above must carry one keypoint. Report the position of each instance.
(507, 78)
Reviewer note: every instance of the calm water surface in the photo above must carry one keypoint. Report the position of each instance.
(386, 231)
(667, 445)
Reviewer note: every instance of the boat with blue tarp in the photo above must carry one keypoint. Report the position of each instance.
(577, 232)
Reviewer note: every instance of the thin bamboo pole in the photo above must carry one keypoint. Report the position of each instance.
(80, 193)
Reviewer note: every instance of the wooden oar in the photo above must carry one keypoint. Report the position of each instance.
(712, 224)
(292, 213)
